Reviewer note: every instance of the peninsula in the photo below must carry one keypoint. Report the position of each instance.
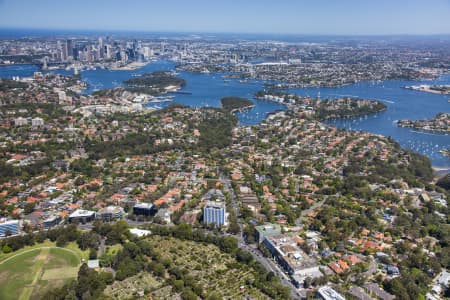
(146, 86)
(234, 104)
(440, 123)
(323, 109)
(155, 82)
(434, 89)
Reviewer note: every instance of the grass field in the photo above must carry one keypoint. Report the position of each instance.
(30, 273)
(71, 246)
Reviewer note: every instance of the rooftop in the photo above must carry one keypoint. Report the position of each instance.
(215, 204)
(359, 293)
(79, 213)
(140, 232)
(268, 229)
(373, 288)
(287, 247)
(111, 210)
(328, 293)
(8, 222)
(143, 205)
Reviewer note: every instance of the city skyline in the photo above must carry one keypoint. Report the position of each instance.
(322, 17)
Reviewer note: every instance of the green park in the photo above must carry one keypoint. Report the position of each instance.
(32, 271)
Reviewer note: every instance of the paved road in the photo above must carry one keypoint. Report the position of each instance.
(373, 267)
(234, 203)
(312, 208)
(101, 246)
(271, 266)
(264, 261)
(227, 186)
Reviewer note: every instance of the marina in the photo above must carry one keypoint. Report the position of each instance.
(161, 99)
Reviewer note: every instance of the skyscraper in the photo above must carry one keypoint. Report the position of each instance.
(107, 51)
(60, 50)
(101, 50)
(64, 51)
(69, 48)
(123, 56)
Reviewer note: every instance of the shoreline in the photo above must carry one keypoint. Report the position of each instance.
(129, 67)
(439, 171)
(63, 65)
(241, 109)
(441, 160)
(434, 131)
(426, 89)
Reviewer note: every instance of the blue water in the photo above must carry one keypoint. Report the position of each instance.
(202, 89)
(208, 89)
(402, 104)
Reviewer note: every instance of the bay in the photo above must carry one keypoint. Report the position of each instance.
(402, 104)
(207, 90)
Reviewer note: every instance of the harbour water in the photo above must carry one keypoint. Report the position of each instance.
(208, 89)
(402, 104)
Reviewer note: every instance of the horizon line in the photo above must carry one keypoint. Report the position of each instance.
(87, 30)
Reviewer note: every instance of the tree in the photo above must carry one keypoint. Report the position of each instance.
(178, 285)
(159, 270)
(234, 227)
(243, 256)
(88, 283)
(188, 294)
(105, 260)
(270, 276)
(106, 277)
(61, 241)
(29, 208)
(249, 234)
(127, 267)
(396, 287)
(444, 182)
(87, 240)
(6, 249)
(307, 282)
(92, 253)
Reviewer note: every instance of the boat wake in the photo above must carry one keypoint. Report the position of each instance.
(384, 100)
(346, 95)
(426, 133)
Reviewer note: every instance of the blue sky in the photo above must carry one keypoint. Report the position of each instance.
(262, 16)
